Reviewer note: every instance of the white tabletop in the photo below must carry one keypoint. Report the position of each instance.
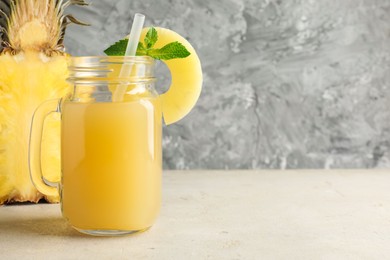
(338, 214)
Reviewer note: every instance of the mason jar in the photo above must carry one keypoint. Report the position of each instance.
(111, 154)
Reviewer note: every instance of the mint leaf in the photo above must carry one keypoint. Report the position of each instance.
(117, 49)
(151, 38)
(141, 51)
(170, 51)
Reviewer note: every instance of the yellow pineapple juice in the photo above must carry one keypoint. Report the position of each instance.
(111, 164)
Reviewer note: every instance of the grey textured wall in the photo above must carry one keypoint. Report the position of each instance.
(287, 84)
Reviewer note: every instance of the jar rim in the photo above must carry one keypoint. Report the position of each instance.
(85, 69)
(103, 59)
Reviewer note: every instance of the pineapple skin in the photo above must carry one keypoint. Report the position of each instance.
(27, 80)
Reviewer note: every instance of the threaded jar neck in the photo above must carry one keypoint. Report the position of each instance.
(96, 78)
(107, 70)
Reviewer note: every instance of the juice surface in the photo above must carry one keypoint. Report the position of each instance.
(111, 164)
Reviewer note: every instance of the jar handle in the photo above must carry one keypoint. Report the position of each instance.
(35, 146)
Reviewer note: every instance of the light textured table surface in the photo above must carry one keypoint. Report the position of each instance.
(339, 214)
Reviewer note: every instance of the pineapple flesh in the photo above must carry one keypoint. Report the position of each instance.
(33, 68)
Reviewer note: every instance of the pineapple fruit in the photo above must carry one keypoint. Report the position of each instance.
(187, 78)
(33, 68)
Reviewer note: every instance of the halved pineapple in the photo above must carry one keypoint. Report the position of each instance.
(33, 69)
(186, 80)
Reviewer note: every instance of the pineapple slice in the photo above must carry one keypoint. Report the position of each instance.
(33, 69)
(186, 74)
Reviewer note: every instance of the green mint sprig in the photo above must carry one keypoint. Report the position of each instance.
(173, 50)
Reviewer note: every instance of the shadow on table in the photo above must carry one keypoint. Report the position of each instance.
(38, 226)
(42, 225)
(55, 226)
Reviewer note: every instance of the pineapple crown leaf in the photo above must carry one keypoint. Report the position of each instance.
(4, 9)
(17, 17)
(65, 21)
(68, 19)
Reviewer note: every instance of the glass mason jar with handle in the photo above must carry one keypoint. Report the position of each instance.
(110, 151)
